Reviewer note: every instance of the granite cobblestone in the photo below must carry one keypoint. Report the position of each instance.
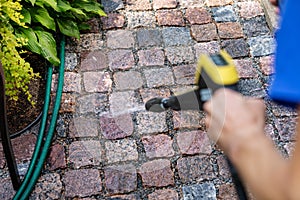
(107, 146)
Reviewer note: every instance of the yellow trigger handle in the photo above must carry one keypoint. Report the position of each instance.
(219, 67)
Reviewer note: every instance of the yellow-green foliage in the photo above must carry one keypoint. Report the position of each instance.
(18, 72)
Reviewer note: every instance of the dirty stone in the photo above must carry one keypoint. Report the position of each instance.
(180, 55)
(205, 191)
(158, 77)
(207, 48)
(112, 5)
(75, 182)
(255, 27)
(170, 18)
(204, 32)
(286, 128)
(251, 87)
(266, 64)
(49, 186)
(261, 46)
(149, 37)
(191, 3)
(174, 36)
(23, 147)
(198, 16)
(120, 39)
(230, 30)
(245, 68)
(72, 82)
(164, 194)
(70, 61)
(224, 14)
(197, 168)
(120, 59)
(149, 93)
(160, 4)
(90, 42)
(236, 47)
(140, 19)
(57, 157)
(151, 57)
(184, 74)
(113, 20)
(250, 9)
(227, 191)
(213, 3)
(140, 5)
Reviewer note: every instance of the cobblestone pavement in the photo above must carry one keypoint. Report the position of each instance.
(107, 146)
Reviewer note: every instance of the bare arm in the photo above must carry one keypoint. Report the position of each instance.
(236, 124)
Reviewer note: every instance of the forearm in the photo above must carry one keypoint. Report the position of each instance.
(261, 167)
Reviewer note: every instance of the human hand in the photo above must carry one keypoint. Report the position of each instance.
(233, 119)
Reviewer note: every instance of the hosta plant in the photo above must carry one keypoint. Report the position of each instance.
(45, 18)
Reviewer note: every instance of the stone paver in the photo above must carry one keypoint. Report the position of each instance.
(157, 173)
(76, 182)
(106, 146)
(120, 179)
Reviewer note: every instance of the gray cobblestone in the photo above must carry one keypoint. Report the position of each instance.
(158, 77)
(180, 55)
(261, 46)
(140, 19)
(174, 36)
(205, 191)
(149, 37)
(121, 150)
(224, 14)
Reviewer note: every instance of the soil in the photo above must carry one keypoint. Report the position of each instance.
(21, 114)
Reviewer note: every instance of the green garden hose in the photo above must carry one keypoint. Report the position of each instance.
(41, 150)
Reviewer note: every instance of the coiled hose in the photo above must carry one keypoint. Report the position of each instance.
(41, 149)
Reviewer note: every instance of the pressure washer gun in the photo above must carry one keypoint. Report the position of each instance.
(213, 72)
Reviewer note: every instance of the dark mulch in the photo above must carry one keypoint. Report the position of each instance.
(21, 113)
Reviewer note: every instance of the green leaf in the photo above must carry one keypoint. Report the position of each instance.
(48, 46)
(51, 3)
(84, 26)
(31, 1)
(89, 6)
(63, 6)
(32, 44)
(27, 16)
(41, 15)
(78, 11)
(68, 27)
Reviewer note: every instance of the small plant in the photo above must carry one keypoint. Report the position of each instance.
(17, 71)
(45, 18)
